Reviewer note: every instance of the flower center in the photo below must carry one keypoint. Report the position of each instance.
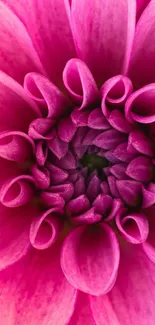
(94, 162)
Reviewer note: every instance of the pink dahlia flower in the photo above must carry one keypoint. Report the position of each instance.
(77, 162)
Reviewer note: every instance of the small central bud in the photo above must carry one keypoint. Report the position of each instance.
(94, 162)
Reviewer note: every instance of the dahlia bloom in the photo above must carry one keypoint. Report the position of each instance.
(77, 162)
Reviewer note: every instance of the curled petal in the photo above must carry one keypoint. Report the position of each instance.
(148, 195)
(16, 146)
(80, 83)
(52, 101)
(42, 129)
(45, 229)
(115, 92)
(89, 217)
(149, 244)
(17, 191)
(140, 105)
(134, 227)
(107, 206)
(90, 258)
(80, 118)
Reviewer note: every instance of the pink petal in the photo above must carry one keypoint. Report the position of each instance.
(80, 83)
(140, 105)
(141, 5)
(89, 217)
(41, 153)
(132, 299)
(14, 233)
(140, 169)
(82, 313)
(34, 291)
(65, 190)
(119, 122)
(141, 143)
(52, 101)
(66, 129)
(90, 258)
(112, 24)
(16, 146)
(17, 109)
(50, 34)
(134, 227)
(77, 206)
(17, 191)
(41, 176)
(57, 175)
(45, 229)
(108, 139)
(149, 245)
(142, 70)
(17, 52)
(130, 191)
(58, 147)
(97, 120)
(42, 129)
(115, 92)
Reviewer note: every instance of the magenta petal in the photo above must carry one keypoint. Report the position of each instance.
(57, 175)
(52, 101)
(45, 229)
(114, 25)
(119, 122)
(140, 105)
(77, 206)
(17, 191)
(141, 5)
(142, 70)
(130, 191)
(17, 52)
(115, 92)
(52, 42)
(16, 146)
(41, 176)
(41, 153)
(35, 291)
(108, 139)
(58, 147)
(134, 227)
(90, 258)
(132, 299)
(141, 143)
(97, 120)
(80, 83)
(15, 103)
(140, 169)
(66, 129)
(82, 313)
(89, 217)
(149, 245)
(14, 234)
(66, 190)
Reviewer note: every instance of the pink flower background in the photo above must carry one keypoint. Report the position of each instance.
(77, 162)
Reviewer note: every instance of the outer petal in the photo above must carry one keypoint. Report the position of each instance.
(17, 110)
(14, 234)
(149, 245)
(17, 53)
(132, 299)
(141, 5)
(35, 292)
(90, 258)
(82, 313)
(142, 69)
(103, 34)
(48, 27)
